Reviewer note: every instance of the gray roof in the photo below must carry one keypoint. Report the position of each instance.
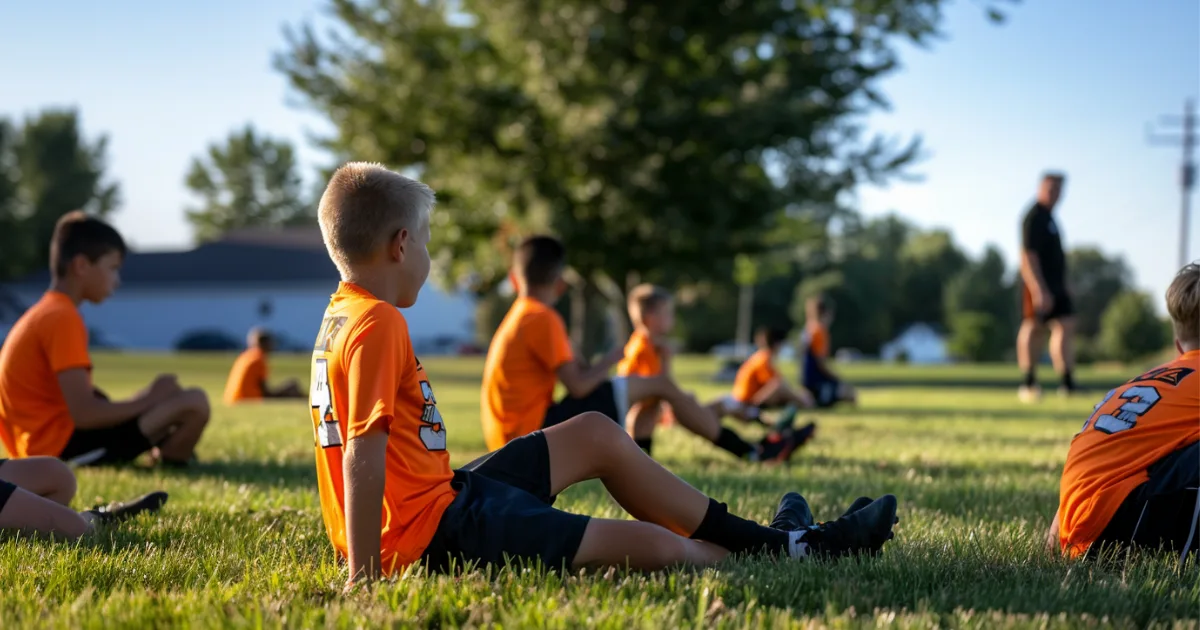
(243, 258)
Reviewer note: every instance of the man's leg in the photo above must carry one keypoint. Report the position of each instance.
(1062, 350)
(46, 477)
(1029, 344)
(176, 424)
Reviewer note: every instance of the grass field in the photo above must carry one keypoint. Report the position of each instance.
(241, 542)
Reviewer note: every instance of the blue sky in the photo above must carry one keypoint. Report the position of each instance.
(1063, 84)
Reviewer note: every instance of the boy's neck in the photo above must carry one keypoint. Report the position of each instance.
(374, 282)
(545, 295)
(68, 288)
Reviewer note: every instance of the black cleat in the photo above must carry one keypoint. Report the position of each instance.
(859, 503)
(777, 446)
(862, 531)
(116, 512)
(805, 434)
(793, 513)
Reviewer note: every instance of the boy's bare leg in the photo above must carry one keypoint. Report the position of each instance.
(691, 414)
(46, 477)
(641, 546)
(176, 424)
(26, 510)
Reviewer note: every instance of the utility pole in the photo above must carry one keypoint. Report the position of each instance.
(1187, 173)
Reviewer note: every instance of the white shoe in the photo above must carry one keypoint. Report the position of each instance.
(1028, 394)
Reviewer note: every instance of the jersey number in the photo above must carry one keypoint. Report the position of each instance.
(324, 421)
(1139, 399)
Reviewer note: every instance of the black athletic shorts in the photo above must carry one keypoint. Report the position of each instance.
(824, 390)
(603, 399)
(1162, 512)
(1061, 306)
(118, 444)
(503, 511)
(6, 489)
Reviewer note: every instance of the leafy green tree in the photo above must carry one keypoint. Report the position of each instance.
(927, 263)
(1094, 279)
(645, 135)
(1130, 329)
(980, 308)
(976, 336)
(249, 180)
(47, 168)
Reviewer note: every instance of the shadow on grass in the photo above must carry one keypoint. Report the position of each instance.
(982, 415)
(287, 475)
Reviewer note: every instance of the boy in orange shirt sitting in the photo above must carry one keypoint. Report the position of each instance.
(1133, 470)
(48, 405)
(35, 493)
(759, 386)
(388, 494)
(248, 378)
(652, 312)
(530, 353)
(815, 374)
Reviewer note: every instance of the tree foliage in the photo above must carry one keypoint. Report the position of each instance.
(1094, 279)
(47, 168)
(249, 180)
(1130, 329)
(642, 134)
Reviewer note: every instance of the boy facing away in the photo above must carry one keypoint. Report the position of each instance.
(530, 353)
(388, 494)
(816, 375)
(248, 377)
(48, 405)
(1133, 470)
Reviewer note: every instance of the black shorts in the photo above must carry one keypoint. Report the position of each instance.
(825, 390)
(1061, 307)
(119, 444)
(1160, 513)
(503, 511)
(6, 489)
(603, 399)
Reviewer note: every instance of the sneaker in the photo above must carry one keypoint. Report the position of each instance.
(793, 513)
(863, 530)
(1029, 393)
(859, 503)
(777, 447)
(805, 434)
(117, 512)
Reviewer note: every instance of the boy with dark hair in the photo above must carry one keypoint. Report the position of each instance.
(48, 405)
(388, 494)
(1133, 470)
(35, 493)
(248, 378)
(816, 375)
(530, 353)
(652, 312)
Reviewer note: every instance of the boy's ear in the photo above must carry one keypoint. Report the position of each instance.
(561, 286)
(512, 279)
(396, 245)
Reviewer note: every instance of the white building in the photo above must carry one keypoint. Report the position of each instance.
(919, 343)
(281, 280)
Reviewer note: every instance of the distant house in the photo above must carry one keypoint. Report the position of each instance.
(919, 343)
(279, 279)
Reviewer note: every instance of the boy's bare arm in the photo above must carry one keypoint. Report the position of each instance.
(581, 381)
(363, 472)
(89, 411)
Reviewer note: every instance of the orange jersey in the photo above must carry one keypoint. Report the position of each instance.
(247, 376)
(817, 339)
(641, 357)
(521, 371)
(49, 338)
(1136, 425)
(365, 378)
(756, 372)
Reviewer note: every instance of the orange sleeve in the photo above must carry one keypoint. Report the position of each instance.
(67, 343)
(551, 345)
(766, 373)
(371, 359)
(819, 344)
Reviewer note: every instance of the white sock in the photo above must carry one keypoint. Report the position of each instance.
(797, 548)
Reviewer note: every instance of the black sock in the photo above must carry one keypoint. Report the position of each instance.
(644, 443)
(733, 443)
(1068, 380)
(1031, 377)
(737, 534)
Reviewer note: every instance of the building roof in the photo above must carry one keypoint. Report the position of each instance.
(247, 257)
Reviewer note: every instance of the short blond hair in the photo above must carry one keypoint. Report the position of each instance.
(646, 298)
(1183, 304)
(362, 208)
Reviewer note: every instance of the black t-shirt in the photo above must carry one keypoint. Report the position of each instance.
(1040, 235)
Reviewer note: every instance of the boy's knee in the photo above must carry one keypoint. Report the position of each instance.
(602, 431)
(197, 402)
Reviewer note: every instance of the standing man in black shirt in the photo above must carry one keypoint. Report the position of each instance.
(1046, 302)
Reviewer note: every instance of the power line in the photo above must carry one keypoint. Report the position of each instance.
(1187, 171)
